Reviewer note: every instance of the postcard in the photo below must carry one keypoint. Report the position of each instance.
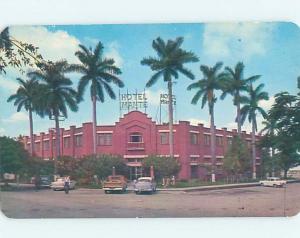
(150, 120)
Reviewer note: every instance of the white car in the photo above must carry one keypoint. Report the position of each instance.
(273, 182)
(145, 184)
(59, 184)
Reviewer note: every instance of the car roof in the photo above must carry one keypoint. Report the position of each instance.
(145, 178)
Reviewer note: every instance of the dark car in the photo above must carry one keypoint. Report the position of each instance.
(43, 181)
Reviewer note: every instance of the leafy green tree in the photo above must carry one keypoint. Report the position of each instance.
(36, 166)
(234, 84)
(268, 140)
(206, 87)
(101, 165)
(100, 73)
(251, 109)
(56, 94)
(16, 53)
(163, 166)
(25, 97)
(12, 155)
(168, 64)
(67, 166)
(286, 112)
(237, 160)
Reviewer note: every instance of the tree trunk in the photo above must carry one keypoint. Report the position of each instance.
(94, 125)
(213, 143)
(272, 158)
(253, 151)
(238, 117)
(170, 118)
(57, 142)
(31, 133)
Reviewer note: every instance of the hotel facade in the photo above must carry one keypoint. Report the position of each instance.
(136, 136)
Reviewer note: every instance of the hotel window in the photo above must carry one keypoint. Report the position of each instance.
(206, 139)
(78, 140)
(164, 138)
(219, 141)
(104, 139)
(248, 143)
(67, 142)
(194, 138)
(37, 146)
(46, 145)
(229, 140)
(136, 138)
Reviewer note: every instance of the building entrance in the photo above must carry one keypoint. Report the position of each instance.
(135, 172)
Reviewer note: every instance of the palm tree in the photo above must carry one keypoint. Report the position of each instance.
(25, 97)
(168, 64)
(251, 109)
(206, 87)
(270, 126)
(235, 83)
(56, 94)
(100, 72)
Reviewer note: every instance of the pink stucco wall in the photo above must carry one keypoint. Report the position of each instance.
(187, 153)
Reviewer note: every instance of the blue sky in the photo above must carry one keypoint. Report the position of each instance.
(269, 49)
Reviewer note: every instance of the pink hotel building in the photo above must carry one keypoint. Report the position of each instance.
(135, 137)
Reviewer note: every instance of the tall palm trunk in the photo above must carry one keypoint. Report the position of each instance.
(238, 116)
(170, 118)
(253, 151)
(272, 158)
(31, 133)
(57, 142)
(94, 124)
(212, 143)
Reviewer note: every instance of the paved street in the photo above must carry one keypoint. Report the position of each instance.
(80, 203)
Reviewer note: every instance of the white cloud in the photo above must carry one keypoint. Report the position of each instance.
(16, 117)
(153, 97)
(2, 131)
(8, 83)
(113, 52)
(240, 40)
(52, 45)
(267, 104)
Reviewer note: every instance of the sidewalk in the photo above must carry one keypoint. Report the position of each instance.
(216, 187)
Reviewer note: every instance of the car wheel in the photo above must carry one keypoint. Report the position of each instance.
(274, 185)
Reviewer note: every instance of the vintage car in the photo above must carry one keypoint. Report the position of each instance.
(273, 182)
(145, 184)
(115, 183)
(59, 184)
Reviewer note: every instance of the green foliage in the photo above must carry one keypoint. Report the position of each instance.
(12, 155)
(238, 158)
(56, 93)
(163, 166)
(283, 131)
(67, 166)
(97, 70)
(251, 106)
(16, 53)
(25, 97)
(205, 87)
(37, 166)
(170, 60)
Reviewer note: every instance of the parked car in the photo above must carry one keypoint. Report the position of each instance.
(59, 184)
(42, 181)
(115, 183)
(145, 184)
(273, 182)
